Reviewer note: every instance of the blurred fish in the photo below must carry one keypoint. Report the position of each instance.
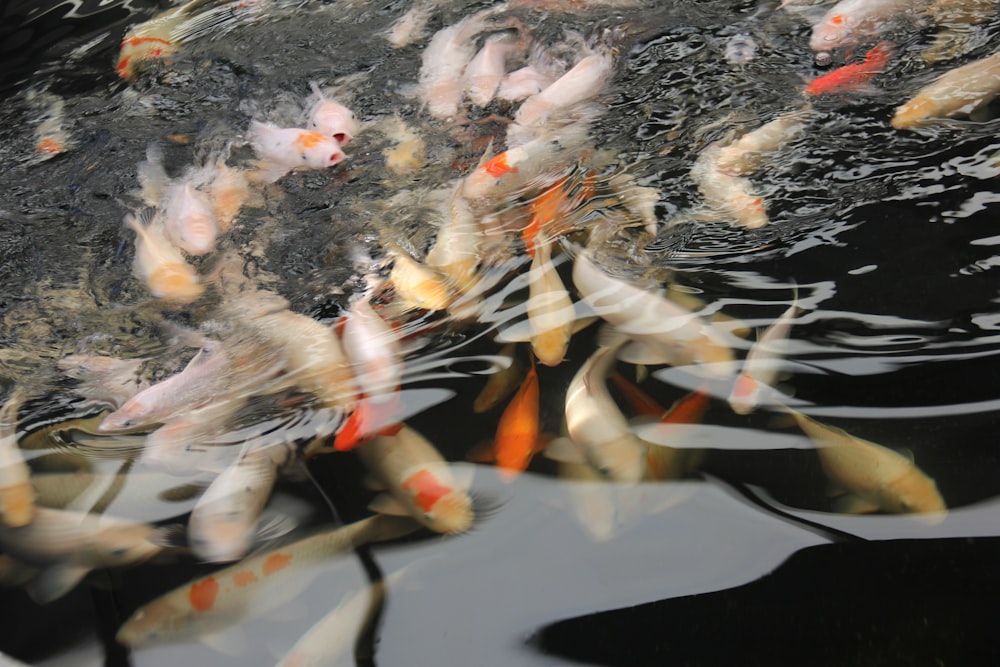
(253, 586)
(70, 544)
(486, 70)
(851, 22)
(853, 76)
(958, 91)
(729, 198)
(740, 49)
(410, 27)
(744, 156)
(877, 475)
(285, 149)
(159, 265)
(410, 150)
(417, 285)
(455, 252)
(329, 117)
(584, 81)
(419, 482)
(105, 379)
(551, 314)
(759, 369)
(517, 435)
(956, 20)
(523, 83)
(17, 498)
(501, 382)
(51, 136)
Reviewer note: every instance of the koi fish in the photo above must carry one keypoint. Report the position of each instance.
(285, 149)
(550, 309)
(959, 91)
(160, 266)
(759, 369)
(852, 76)
(409, 27)
(331, 118)
(185, 211)
(70, 544)
(105, 379)
(228, 191)
(595, 423)
(850, 22)
(501, 382)
(255, 585)
(517, 433)
(744, 156)
(420, 483)
(51, 137)
(730, 198)
(582, 82)
(409, 152)
(486, 70)
(551, 211)
(199, 382)
(17, 499)
(661, 330)
(455, 252)
(418, 286)
(523, 83)
(877, 475)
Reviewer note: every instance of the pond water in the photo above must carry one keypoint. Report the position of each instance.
(886, 240)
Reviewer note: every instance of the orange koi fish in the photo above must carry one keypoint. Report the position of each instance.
(501, 382)
(517, 433)
(254, 585)
(850, 77)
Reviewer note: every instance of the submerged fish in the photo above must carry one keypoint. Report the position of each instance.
(760, 369)
(17, 498)
(160, 266)
(853, 76)
(517, 433)
(959, 91)
(850, 22)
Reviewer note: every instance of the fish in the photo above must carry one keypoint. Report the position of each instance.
(455, 252)
(596, 425)
(956, 20)
(486, 70)
(884, 479)
(551, 314)
(850, 22)
(417, 285)
(667, 332)
(199, 382)
(554, 210)
(524, 82)
(759, 370)
(254, 585)
(70, 544)
(729, 198)
(285, 149)
(501, 382)
(51, 136)
(740, 49)
(160, 266)
(17, 498)
(105, 379)
(228, 191)
(852, 76)
(958, 91)
(409, 152)
(418, 480)
(331, 118)
(517, 433)
(410, 27)
(744, 156)
(582, 82)
(223, 522)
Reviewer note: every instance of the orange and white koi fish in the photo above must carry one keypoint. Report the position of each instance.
(486, 70)
(70, 544)
(228, 191)
(104, 379)
(595, 423)
(730, 198)
(668, 332)
(329, 117)
(959, 91)
(253, 586)
(223, 522)
(584, 81)
(17, 499)
(285, 149)
(160, 266)
(51, 137)
(759, 369)
(882, 478)
(501, 382)
(744, 156)
(551, 315)
(517, 433)
(416, 285)
(419, 482)
(445, 58)
(850, 22)
(199, 382)
(854, 75)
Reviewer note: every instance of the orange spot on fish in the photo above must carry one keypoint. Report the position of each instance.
(744, 386)
(136, 41)
(837, 19)
(498, 166)
(370, 418)
(306, 140)
(244, 578)
(203, 593)
(276, 562)
(426, 489)
(50, 146)
(122, 66)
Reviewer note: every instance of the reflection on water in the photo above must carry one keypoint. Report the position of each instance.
(881, 237)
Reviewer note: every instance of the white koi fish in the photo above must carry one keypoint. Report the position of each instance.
(420, 483)
(329, 117)
(759, 370)
(584, 81)
(70, 544)
(445, 58)
(670, 333)
(523, 83)
(731, 198)
(160, 266)
(185, 211)
(410, 27)
(743, 156)
(850, 22)
(253, 586)
(597, 426)
(17, 499)
(486, 70)
(883, 478)
(284, 149)
(199, 382)
(959, 91)
(551, 315)
(409, 152)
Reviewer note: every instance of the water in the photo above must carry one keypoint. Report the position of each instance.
(886, 236)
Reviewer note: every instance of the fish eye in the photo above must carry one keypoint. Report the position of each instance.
(117, 552)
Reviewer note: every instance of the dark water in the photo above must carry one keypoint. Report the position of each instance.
(887, 236)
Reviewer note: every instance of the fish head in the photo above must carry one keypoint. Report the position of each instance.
(317, 150)
(159, 621)
(913, 492)
(125, 417)
(334, 120)
(220, 537)
(125, 544)
(832, 31)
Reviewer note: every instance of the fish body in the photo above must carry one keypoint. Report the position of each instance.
(580, 83)
(160, 266)
(417, 285)
(410, 27)
(188, 219)
(284, 149)
(744, 156)
(331, 118)
(455, 252)
(852, 76)
(419, 479)
(17, 498)
(444, 60)
(850, 22)
(517, 433)
(550, 309)
(105, 379)
(216, 601)
(500, 383)
(730, 198)
(522, 83)
(759, 370)
(486, 70)
(958, 91)
(679, 335)
(872, 472)
(595, 423)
